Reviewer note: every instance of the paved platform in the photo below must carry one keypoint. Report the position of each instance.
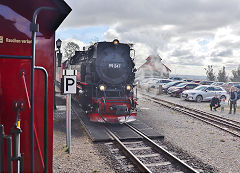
(98, 133)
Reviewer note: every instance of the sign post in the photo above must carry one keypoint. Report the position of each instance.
(69, 87)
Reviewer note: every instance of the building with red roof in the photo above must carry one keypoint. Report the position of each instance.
(153, 67)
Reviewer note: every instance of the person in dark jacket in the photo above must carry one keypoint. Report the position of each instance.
(238, 94)
(215, 103)
(233, 100)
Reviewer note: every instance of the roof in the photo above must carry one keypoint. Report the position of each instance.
(48, 21)
(152, 64)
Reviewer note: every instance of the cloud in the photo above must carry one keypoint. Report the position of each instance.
(184, 33)
(215, 60)
(222, 53)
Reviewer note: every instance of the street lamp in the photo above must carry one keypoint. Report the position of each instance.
(58, 44)
(59, 57)
(59, 54)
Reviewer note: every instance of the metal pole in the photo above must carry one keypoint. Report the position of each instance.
(67, 109)
(69, 126)
(1, 148)
(69, 120)
(55, 58)
(17, 151)
(32, 97)
(45, 115)
(34, 28)
(9, 154)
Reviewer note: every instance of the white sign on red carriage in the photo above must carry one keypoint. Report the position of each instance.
(70, 81)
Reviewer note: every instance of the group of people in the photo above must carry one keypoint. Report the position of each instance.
(233, 97)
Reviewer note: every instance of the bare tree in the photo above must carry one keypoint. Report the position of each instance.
(70, 48)
(236, 75)
(222, 76)
(210, 74)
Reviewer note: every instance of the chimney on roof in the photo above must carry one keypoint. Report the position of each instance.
(149, 59)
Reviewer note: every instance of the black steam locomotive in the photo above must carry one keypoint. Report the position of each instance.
(106, 74)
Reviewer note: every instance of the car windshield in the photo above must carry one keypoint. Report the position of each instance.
(164, 81)
(171, 83)
(235, 84)
(181, 85)
(200, 88)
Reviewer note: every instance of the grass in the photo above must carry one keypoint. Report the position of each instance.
(67, 149)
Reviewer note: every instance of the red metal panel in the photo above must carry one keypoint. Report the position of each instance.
(15, 37)
(15, 40)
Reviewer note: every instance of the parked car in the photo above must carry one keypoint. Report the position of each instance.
(187, 80)
(204, 82)
(161, 82)
(147, 81)
(170, 84)
(217, 83)
(196, 81)
(228, 85)
(178, 89)
(175, 78)
(204, 93)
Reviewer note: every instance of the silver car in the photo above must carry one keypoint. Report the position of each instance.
(204, 93)
(160, 82)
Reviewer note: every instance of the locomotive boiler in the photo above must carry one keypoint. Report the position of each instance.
(106, 74)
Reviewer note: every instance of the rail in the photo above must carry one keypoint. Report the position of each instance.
(144, 167)
(225, 124)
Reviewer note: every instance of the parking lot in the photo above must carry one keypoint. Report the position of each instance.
(201, 106)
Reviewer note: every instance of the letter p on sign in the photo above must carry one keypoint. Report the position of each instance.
(70, 85)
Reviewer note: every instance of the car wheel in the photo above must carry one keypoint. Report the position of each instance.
(199, 99)
(223, 97)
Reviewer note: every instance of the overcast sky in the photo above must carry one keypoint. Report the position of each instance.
(187, 34)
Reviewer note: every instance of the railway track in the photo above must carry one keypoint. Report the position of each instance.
(225, 124)
(149, 156)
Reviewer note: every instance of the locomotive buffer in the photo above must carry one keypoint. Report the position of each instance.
(69, 87)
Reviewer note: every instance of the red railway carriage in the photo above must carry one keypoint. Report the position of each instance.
(18, 50)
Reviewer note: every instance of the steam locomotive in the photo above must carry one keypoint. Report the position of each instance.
(106, 74)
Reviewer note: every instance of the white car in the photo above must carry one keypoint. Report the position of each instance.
(160, 82)
(204, 93)
(149, 82)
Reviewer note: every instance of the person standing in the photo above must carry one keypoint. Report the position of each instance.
(233, 100)
(238, 94)
(223, 104)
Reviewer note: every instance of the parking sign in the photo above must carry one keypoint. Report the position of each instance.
(70, 85)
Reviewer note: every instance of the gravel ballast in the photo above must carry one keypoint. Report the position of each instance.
(209, 144)
(204, 106)
(85, 156)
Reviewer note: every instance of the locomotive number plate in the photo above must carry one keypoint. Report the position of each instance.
(114, 65)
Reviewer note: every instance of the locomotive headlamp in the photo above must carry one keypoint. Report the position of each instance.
(102, 87)
(128, 87)
(115, 42)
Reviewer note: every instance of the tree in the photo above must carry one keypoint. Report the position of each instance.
(222, 76)
(69, 49)
(210, 74)
(236, 75)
